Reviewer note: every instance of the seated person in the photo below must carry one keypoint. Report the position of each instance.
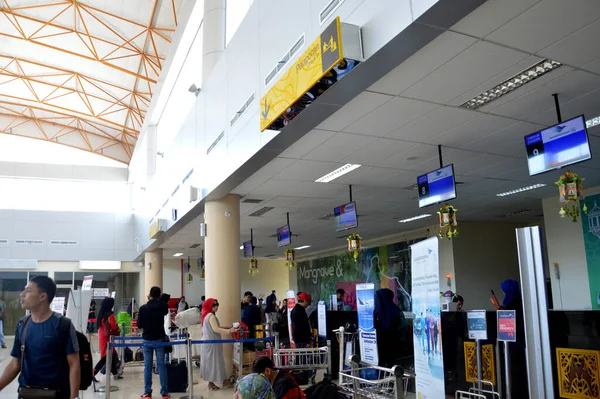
(284, 385)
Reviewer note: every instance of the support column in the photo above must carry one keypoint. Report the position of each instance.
(154, 275)
(215, 16)
(222, 257)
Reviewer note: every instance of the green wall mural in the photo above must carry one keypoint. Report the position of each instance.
(591, 237)
(386, 266)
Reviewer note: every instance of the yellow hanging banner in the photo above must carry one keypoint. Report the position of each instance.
(318, 59)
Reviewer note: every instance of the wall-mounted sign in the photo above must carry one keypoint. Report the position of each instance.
(100, 292)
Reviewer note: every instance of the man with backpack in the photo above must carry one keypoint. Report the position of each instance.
(46, 348)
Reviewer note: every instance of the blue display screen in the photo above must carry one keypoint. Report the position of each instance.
(558, 146)
(247, 249)
(345, 217)
(284, 237)
(436, 186)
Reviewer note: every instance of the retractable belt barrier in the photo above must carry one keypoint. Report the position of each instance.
(233, 341)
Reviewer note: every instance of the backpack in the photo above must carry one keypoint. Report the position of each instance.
(85, 351)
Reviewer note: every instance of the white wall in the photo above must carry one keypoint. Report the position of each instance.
(272, 275)
(485, 254)
(172, 281)
(565, 247)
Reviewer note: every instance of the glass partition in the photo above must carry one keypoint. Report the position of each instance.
(11, 286)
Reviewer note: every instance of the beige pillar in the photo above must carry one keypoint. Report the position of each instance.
(222, 254)
(154, 275)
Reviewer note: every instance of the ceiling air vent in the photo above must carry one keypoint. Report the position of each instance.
(329, 216)
(252, 201)
(3, 241)
(329, 9)
(282, 63)
(411, 187)
(214, 144)
(63, 242)
(507, 215)
(30, 242)
(262, 211)
(244, 108)
(195, 246)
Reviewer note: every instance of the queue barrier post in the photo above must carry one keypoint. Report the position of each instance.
(108, 367)
(188, 360)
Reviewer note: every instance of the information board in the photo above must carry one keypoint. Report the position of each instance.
(365, 298)
(507, 325)
(477, 324)
(58, 305)
(87, 283)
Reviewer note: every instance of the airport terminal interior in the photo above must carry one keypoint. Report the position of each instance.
(377, 198)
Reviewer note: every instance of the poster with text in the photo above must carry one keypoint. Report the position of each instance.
(87, 283)
(58, 305)
(429, 362)
(365, 303)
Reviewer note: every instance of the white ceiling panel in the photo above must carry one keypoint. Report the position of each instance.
(360, 106)
(389, 117)
(577, 49)
(408, 160)
(317, 190)
(495, 141)
(376, 153)
(447, 46)
(366, 175)
(474, 66)
(545, 23)
(434, 123)
(306, 144)
(471, 130)
(308, 171)
(281, 202)
(491, 15)
(271, 188)
(339, 147)
(593, 67)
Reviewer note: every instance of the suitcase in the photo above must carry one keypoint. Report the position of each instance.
(177, 376)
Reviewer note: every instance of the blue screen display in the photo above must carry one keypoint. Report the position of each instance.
(345, 217)
(557, 146)
(436, 186)
(284, 237)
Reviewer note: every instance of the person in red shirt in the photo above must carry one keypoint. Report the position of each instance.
(107, 327)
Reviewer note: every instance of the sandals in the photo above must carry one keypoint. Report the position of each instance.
(213, 387)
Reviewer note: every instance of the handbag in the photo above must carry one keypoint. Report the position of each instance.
(33, 392)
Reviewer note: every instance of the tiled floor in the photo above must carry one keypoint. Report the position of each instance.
(130, 387)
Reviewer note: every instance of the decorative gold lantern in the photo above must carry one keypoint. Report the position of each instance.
(253, 269)
(189, 278)
(570, 192)
(290, 257)
(448, 221)
(354, 244)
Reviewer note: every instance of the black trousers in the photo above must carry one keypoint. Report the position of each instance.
(102, 363)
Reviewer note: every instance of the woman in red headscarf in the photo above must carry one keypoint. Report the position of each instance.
(212, 364)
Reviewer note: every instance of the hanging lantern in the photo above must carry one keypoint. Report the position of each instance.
(253, 269)
(189, 278)
(354, 244)
(570, 192)
(290, 257)
(448, 221)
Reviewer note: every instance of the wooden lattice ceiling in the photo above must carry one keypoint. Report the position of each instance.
(81, 72)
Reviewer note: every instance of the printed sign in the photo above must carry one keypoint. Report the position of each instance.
(477, 324)
(365, 298)
(322, 318)
(100, 292)
(318, 59)
(507, 325)
(429, 359)
(87, 283)
(58, 305)
(291, 304)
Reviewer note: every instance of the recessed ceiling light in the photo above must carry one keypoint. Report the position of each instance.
(302, 247)
(349, 167)
(241, 247)
(414, 218)
(520, 190)
(592, 122)
(513, 83)
(178, 254)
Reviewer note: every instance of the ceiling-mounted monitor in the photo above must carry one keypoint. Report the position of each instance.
(345, 217)
(284, 237)
(247, 249)
(437, 186)
(558, 146)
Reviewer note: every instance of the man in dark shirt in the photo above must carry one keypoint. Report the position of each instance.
(246, 299)
(271, 303)
(151, 319)
(301, 333)
(50, 361)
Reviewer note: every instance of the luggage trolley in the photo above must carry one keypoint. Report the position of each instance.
(302, 359)
(365, 381)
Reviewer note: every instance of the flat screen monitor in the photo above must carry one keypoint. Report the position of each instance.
(345, 217)
(558, 146)
(284, 237)
(247, 249)
(437, 186)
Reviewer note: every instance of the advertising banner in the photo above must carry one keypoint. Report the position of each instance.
(291, 303)
(322, 318)
(507, 325)
(429, 361)
(477, 324)
(365, 298)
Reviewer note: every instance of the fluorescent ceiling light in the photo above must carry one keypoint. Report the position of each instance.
(337, 173)
(414, 218)
(592, 122)
(100, 265)
(513, 83)
(178, 254)
(302, 247)
(520, 190)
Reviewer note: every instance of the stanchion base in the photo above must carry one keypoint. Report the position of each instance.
(191, 397)
(112, 389)
(195, 382)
